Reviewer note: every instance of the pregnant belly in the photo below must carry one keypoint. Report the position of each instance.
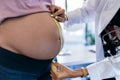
(36, 36)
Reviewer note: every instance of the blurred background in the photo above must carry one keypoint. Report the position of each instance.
(79, 46)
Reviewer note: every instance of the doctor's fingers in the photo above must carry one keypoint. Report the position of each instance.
(54, 69)
(60, 19)
(54, 76)
(58, 65)
(59, 12)
(61, 67)
(54, 8)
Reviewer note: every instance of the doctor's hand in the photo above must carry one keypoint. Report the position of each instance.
(60, 72)
(58, 13)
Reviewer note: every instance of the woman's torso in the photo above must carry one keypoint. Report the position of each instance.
(35, 35)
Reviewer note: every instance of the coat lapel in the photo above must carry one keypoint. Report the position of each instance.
(108, 12)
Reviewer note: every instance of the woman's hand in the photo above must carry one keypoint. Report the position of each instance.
(58, 13)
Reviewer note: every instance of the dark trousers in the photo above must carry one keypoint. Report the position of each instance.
(18, 67)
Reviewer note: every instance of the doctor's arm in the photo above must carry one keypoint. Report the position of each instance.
(96, 71)
(84, 14)
(59, 72)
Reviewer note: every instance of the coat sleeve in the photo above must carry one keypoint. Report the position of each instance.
(101, 70)
(83, 14)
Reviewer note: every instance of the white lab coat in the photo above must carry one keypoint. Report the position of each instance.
(102, 11)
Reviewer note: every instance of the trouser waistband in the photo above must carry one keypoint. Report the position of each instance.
(19, 62)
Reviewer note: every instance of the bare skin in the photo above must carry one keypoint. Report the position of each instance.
(35, 36)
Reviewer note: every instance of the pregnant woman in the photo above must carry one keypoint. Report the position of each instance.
(29, 39)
